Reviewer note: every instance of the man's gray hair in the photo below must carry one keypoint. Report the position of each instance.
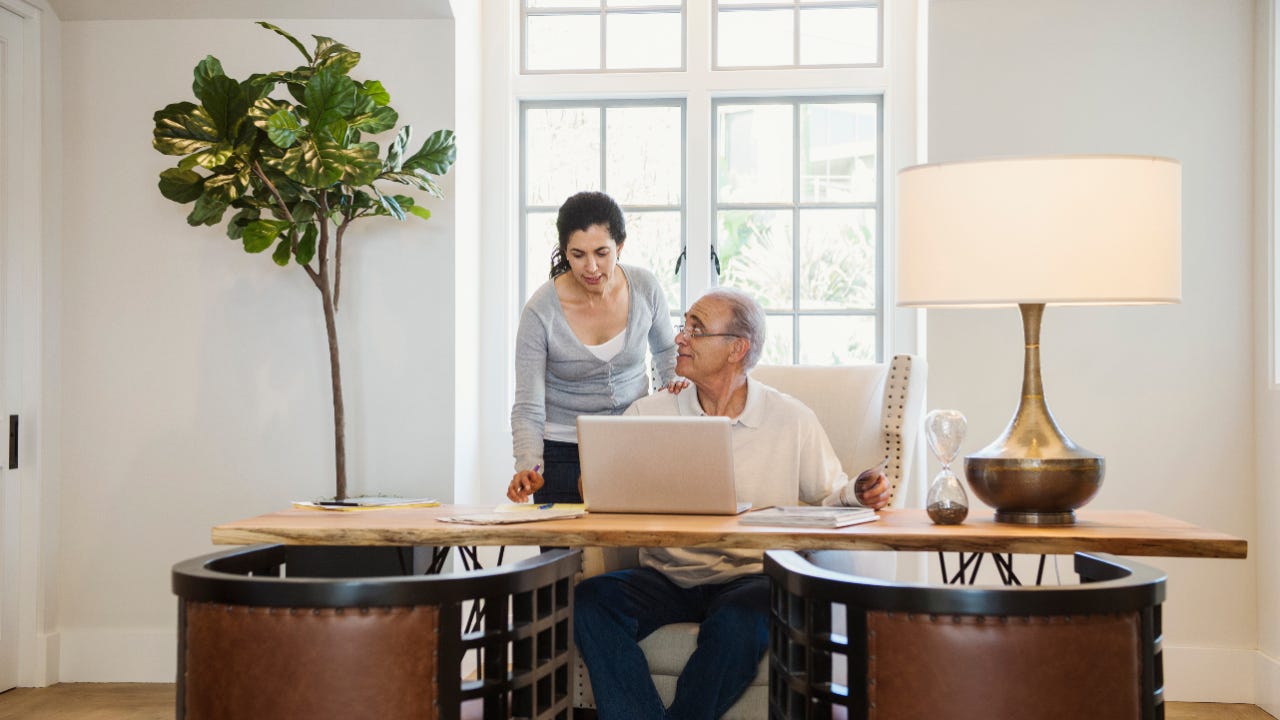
(746, 319)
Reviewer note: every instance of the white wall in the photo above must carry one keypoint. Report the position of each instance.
(1267, 392)
(1165, 393)
(195, 379)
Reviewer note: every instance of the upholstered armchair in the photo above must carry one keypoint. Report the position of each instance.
(870, 413)
(918, 652)
(257, 642)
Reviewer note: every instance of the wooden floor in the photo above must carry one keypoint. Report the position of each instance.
(154, 701)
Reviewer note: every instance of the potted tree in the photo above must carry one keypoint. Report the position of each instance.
(286, 153)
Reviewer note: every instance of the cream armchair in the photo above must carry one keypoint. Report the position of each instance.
(870, 412)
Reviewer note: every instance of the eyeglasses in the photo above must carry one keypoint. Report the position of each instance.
(696, 333)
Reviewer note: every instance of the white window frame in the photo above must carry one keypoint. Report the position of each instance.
(795, 6)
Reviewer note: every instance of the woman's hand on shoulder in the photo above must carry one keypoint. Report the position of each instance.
(524, 484)
(675, 386)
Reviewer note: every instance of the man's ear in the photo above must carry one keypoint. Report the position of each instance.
(741, 346)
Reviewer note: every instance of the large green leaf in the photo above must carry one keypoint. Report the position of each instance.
(263, 108)
(329, 97)
(333, 55)
(283, 250)
(360, 162)
(183, 128)
(395, 151)
(421, 212)
(436, 155)
(181, 186)
(208, 68)
(418, 178)
(227, 186)
(208, 210)
(381, 119)
(290, 38)
(225, 103)
(214, 156)
(307, 244)
(374, 90)
(390, 205)
(283, 128)
(259, 234)
(304, 164)
(241, 220)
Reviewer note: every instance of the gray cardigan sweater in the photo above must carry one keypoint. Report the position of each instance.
(557, 378)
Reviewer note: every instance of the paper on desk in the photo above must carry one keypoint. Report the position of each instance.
(369, 503)
(506, 518)
(525, 507)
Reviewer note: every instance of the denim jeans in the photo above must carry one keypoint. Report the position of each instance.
(561, 471)
(613, 612)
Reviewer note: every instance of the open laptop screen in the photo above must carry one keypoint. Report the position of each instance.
(657, 464)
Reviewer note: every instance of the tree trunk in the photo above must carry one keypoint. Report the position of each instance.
(339, 433)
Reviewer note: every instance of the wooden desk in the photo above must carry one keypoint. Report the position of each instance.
(1122, 532)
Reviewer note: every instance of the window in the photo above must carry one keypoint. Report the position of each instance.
(634, 151)
(798, 33)
(602, 35)
(798, 221)
(761, 165)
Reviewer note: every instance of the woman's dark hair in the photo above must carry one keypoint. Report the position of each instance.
(581, 212)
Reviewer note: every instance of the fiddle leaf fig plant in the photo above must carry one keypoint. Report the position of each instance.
(284, 159)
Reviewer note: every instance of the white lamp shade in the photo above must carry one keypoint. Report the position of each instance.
(1101, 229)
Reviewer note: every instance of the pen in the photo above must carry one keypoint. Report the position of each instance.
(546, 506)
(341, 503)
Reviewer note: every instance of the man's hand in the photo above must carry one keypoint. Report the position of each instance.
(524, 484)
(872, 487)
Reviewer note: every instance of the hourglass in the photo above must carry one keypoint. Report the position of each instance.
(946, 502)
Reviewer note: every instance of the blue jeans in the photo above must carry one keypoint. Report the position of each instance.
(613, 612)
(561, 471)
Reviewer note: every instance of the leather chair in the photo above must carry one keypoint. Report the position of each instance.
(1090, 650)
(870, 412)
(255, 644)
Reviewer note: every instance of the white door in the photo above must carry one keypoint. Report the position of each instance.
(11, 57)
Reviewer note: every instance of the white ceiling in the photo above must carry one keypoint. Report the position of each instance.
(251, 9)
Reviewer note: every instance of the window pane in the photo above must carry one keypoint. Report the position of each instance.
(838, 144)
(653, 243)
(563, 3)
(836, 340)
(837, 259)
(756, 254)
(540, 229)
(644, 3)
(755, 38)
(643, 155)
(563, 42)
(777, 340)
(562, 147)
(839, 36)
(753, 153)
(643, 40)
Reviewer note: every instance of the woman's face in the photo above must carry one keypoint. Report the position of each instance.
(593, 258)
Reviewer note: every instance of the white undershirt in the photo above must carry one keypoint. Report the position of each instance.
(605, 352)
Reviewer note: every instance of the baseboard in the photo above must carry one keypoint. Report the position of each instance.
(1268, 684)
(118, 656)
(1199, 674)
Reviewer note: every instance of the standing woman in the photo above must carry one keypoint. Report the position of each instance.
(580, 348)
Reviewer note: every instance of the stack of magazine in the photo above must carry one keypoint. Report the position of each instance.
(809, 516)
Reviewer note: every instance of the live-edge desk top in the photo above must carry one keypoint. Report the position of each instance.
(1121, 532)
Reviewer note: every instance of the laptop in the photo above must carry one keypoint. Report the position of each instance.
(657, 464)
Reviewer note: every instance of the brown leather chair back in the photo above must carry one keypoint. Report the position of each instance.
(253, 644)
(917, 652)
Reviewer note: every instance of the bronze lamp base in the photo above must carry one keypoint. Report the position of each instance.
(1033, 473)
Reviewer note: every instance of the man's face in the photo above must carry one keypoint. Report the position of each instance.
(701, 358)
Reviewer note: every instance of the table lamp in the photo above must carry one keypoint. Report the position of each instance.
(1031, 231)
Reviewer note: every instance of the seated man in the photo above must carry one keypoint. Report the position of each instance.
(781, 457)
